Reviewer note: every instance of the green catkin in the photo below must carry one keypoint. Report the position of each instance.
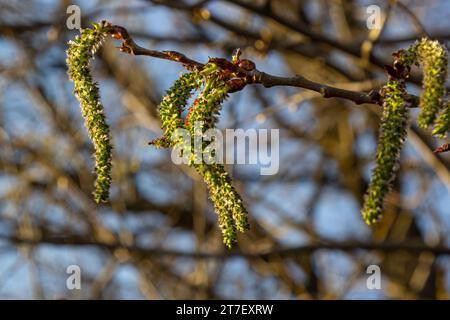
(390, 142)
(206, 112)
(218, 182)
(171, 109)
(79, 54)
(433, 56)
(393, 123)
(173, 103)
(228, 204)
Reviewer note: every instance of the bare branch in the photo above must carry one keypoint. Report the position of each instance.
(253, 76)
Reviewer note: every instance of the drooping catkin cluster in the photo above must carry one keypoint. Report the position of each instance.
(212, 88)
(433, 56)
(79, 54)
(390, 141)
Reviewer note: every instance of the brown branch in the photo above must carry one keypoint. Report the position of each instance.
(285, 252)
(253, 76)
(130, 47)
(326, 91)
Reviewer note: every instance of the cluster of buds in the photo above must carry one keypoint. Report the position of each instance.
(237, 72)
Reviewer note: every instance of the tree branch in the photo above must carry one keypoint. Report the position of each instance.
(254, 76)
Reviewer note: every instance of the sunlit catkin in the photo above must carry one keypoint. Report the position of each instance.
(79, 54)
(433, 56)
(391, 137)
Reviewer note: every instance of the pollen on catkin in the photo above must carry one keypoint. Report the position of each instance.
(80, 52)
(391, 137)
